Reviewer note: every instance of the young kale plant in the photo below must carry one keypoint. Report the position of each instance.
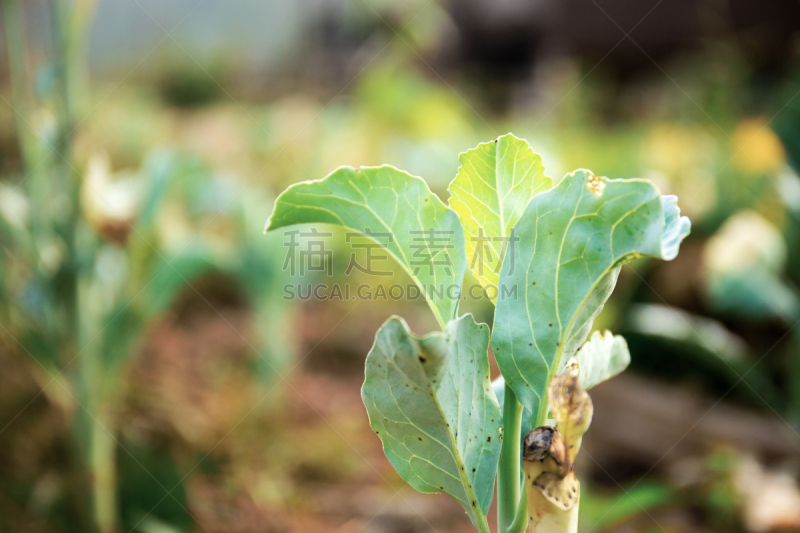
(548, 256)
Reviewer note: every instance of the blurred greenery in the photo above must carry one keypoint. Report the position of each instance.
(154, 378)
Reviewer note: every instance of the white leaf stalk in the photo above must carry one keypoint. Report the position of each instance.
(548, 454)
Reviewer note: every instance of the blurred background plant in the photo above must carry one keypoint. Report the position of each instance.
(155, 379)
(92, 258)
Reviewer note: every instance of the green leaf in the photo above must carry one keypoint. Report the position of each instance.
(423, 235)
(602, 357)
(493, 186)
(573, 240)
(431, 403)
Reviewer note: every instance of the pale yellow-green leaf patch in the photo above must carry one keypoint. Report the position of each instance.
(494, 184)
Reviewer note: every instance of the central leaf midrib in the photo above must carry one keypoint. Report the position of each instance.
(402, 261)
(563, 338)
(418, 428)
(499, 201)
(468, 488)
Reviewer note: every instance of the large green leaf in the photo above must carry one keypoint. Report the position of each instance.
(600, 358)
(573, 240)
(430, 401)
(423, 235)
(493, 186)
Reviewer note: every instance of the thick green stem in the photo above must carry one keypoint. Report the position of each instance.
(67, 182)
(541, 416)
(104, 477)
(68, 36)
(22, 104)
(508, 478)
(520, 523)
(13, 29)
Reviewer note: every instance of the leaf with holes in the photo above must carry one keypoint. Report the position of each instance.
(398, 211)
(572, 242)
(431, 403)
(494, 184)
